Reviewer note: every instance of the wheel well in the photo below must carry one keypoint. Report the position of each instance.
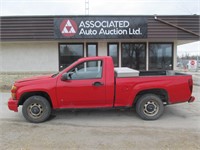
(159, 92)
(29, 94)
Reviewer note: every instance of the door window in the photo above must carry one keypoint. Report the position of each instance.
(113, 51)
(86, 70)
(91, 49)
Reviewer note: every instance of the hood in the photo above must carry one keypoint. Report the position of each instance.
(34, 78)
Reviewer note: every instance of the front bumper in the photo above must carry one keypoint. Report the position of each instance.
(192, 98)
(13, 104)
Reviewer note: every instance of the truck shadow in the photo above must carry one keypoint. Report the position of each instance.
(97, 114)
(117, 115)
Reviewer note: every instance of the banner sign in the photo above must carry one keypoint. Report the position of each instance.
(100, 27)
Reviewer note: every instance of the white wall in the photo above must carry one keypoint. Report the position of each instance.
(175, 56)
(29, 57)
(1, 58)
(35, 56)
(102, 48)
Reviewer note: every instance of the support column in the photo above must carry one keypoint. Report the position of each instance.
(175, 55)
(147, 55)
(120, 55)
(84, 49)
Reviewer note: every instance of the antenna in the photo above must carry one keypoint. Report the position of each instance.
(86, 7)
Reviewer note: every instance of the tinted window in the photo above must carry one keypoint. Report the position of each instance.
(69, 53)
(160, 56)
(134, 55)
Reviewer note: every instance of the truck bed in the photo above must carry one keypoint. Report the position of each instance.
(128, 72)
(160, 73)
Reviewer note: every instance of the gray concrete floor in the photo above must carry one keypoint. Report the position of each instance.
(178, 128)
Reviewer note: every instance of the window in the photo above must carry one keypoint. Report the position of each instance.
(92, 49)
(86, 70)
(134, 55)
(160, 56)
(113, 51)
(69, 53)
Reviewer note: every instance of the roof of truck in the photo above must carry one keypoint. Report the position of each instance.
(95, 58)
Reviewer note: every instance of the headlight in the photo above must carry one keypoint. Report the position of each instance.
(13, 92)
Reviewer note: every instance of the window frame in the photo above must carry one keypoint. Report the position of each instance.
(59, 55)
(88, 49)
(108, 51)
(172, 44)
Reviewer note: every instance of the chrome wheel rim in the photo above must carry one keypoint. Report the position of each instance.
(35, 110)
(151, 108)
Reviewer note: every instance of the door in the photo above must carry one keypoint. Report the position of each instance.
(113, 51)
(85, 86)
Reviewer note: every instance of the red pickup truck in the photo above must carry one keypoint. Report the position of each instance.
(93, 82)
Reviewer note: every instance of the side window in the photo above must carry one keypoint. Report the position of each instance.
(86, 70)
(91, 49)
(113, 51)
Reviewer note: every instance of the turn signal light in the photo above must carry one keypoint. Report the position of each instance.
(13, 92)
(13, 89)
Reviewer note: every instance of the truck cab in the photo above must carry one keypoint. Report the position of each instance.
(87, 83)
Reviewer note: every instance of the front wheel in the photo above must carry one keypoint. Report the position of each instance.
(36, 109)
(149, 107)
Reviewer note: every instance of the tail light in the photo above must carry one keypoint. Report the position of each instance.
(190, 83)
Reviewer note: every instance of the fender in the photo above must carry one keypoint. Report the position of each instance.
(39, 88)
(146, 86)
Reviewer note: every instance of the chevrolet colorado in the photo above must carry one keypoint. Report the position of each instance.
(93, 82)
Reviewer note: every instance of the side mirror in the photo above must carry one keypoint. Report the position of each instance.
(65, 76)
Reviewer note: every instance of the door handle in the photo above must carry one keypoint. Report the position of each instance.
(97, 84)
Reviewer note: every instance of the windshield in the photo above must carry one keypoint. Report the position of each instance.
(55, 74)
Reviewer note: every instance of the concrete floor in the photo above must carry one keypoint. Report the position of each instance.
(178, 128)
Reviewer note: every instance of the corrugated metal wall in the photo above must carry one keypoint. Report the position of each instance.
(42, 28)
(158, 29)
(27, 28)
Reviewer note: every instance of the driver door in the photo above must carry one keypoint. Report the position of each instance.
(85, 86)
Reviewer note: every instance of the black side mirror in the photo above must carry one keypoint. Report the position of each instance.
(65, 76)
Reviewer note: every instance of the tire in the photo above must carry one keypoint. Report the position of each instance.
(149, 107)
(36, 109)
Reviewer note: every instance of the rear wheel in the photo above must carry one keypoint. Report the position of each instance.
(149, 107)
(36, 109)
